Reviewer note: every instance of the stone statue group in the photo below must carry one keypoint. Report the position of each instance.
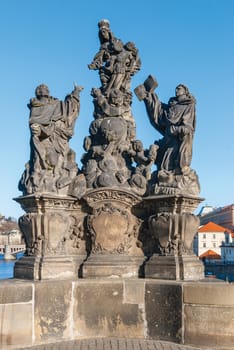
(114, 216)
(113, 156)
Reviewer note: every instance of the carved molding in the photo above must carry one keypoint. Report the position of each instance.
(41, 202)
(103, 195)
(171, 204)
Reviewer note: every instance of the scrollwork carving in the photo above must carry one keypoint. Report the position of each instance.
(174, 232)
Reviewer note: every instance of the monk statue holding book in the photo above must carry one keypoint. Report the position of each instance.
(175, 121)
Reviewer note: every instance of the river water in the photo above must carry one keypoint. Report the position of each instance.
(7, 267)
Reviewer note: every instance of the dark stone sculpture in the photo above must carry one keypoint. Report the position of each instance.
(52, 166)
(116, 165)
(174, 186)
(113, 218)
(116, 61)
(175, 121)
(111, 146)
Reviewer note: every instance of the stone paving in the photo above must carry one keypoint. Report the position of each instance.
(113, 344)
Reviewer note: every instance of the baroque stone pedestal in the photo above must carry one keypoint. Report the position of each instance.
(113, 230)
(173, 225)
(54, 236)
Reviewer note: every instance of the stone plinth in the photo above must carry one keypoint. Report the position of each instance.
(185, 267)
(173, 226)
(54, 236)
(172, 204)
(112, 266)
(113, 231)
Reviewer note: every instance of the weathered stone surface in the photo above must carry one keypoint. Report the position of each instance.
(108, 225)
(209, 312)
(163, 307)
(173, 226)
(209, 293)
(62, 311)
(112, 266)
(185, 267)
(12, 293)
(209, 325)
(114, 234)
(134, 291)
(100, 309)
(52, 310)
(161, 267)
(15, 325)
(54, 234)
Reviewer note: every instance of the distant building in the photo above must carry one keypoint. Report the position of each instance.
(209, 239)
(227, 253)
(223, 216)
(210, 255)
(11, 237)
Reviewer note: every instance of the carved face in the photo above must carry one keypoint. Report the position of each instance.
(35, 129)
(42, 91)
(104, 33)
(138, 146)
(180, 90)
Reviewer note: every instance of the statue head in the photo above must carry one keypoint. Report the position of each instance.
(183, 93)
(104, 23)
(117, 45)
(104, 31)
(181, 90)
(137, 146)
(42, 91)
(130, 46)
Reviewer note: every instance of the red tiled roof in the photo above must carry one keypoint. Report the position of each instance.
(210, 254)
(212, 227)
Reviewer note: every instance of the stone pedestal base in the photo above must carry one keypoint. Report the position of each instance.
(185, 267)
(48, 268)
(114, 229)
(53, 231)
(112, 267)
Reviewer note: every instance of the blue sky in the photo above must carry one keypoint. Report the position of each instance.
(52, 41)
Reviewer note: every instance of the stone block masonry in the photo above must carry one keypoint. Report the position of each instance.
(35, 313)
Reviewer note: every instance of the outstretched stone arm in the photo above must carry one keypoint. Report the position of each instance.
(155, 109)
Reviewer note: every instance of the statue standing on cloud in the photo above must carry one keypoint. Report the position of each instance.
(111, 148)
